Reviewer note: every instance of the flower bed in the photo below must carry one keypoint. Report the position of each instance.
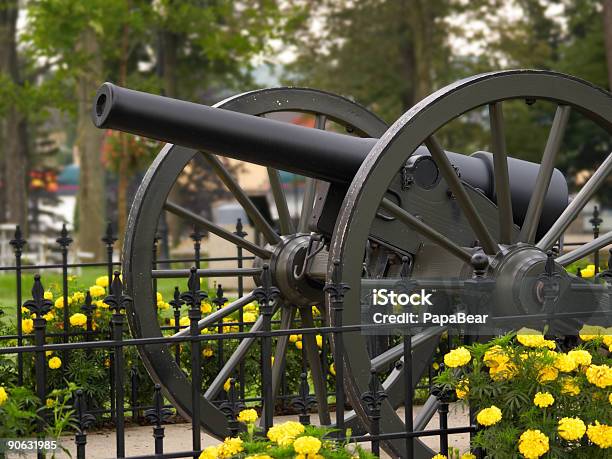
(536, 397)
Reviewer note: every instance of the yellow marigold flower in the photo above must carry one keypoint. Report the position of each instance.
(48, 295)
(600, 434)
(231, 446)
(530, 338)
(158, 297)
(319, 340)
(457, 357)
(249, 317)
(227, 385)
(533, 444)
(78, 320)
(543, 399)
(252, 306)
(307, 445)
(295, 338)
(610, 398)
(315, 311)
(48, 353)
(184, 321)
(503, 372)
(468, 456)
(55, 363)
(96, 291)
(565, 363)
(59, 303)
(587, 272)
(495, 356)
(489, 416)
(284, 434)
(463, 389)
(580, 356)
(249, 415)
(102, 281)
(548, 373)
(49, 403)
(570, 387)
(49, 316)
(78, 297)
(100, 304)
(439, 456)
(259, 456)
(591, 332)
(205, 307)
(3, 395)
(298, 344)
(210, 453)
(332, 369)
(599, 375)
(207, 352)
(571, 429)
(27, 326)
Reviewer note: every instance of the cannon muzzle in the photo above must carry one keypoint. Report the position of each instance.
(310, 152)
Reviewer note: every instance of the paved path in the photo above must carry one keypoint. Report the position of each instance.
(139, 440)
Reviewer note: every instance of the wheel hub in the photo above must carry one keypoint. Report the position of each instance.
(287, 269)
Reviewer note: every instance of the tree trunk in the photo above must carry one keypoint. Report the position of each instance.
(607, 18)
(91, 197)
(15, 124)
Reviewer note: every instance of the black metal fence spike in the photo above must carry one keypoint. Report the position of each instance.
(109, 238)
(304, 401)
(84, 420)
(196, 235)
(157, 415)
(240, 228)
(267, 293)
(64, 240)
(336, 288)
(194, 296)
(595, 220)
(374, 396)
(88, 306)
(38, 304)
(219, 299)
(231, 409)
(18, 241)
(176, 302)
(116, 300)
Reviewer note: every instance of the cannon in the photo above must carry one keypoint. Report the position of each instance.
(380, 202)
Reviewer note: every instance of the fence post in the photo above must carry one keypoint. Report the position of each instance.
(265, 295)
(157, 416)
(304, 401)
(373, 399)
(134, 393)
(17, 243)
(196, 236)
(88, 307)
(336, 291)
(117, 302)
(176, 304)
(193, 297)
(231, 409)
(219, 301)
(444, 398)
(64, 242)
(38, 307)
(109, 240)
(596, 221)
(84, 420)
(241, 233)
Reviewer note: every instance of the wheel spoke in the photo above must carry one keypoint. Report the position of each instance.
(536, 203)
(232, 363)
(467, 206)
(310, 186)
(582, 198)
(425, 230)
(215, 317)
(221, 232)
(284, 218)
(427, 412)
(258, 220)
(500, 167)
(314, 363)
(179, 273)
(395, 353)
(585, 250)
(280, 354)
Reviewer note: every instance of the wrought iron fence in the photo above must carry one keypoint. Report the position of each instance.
(116, 341)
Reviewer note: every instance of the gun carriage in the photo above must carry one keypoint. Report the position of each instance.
(380, 202)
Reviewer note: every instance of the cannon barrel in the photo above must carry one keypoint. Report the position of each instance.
(310, 152)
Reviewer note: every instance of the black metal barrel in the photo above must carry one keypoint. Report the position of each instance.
(309, 152)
